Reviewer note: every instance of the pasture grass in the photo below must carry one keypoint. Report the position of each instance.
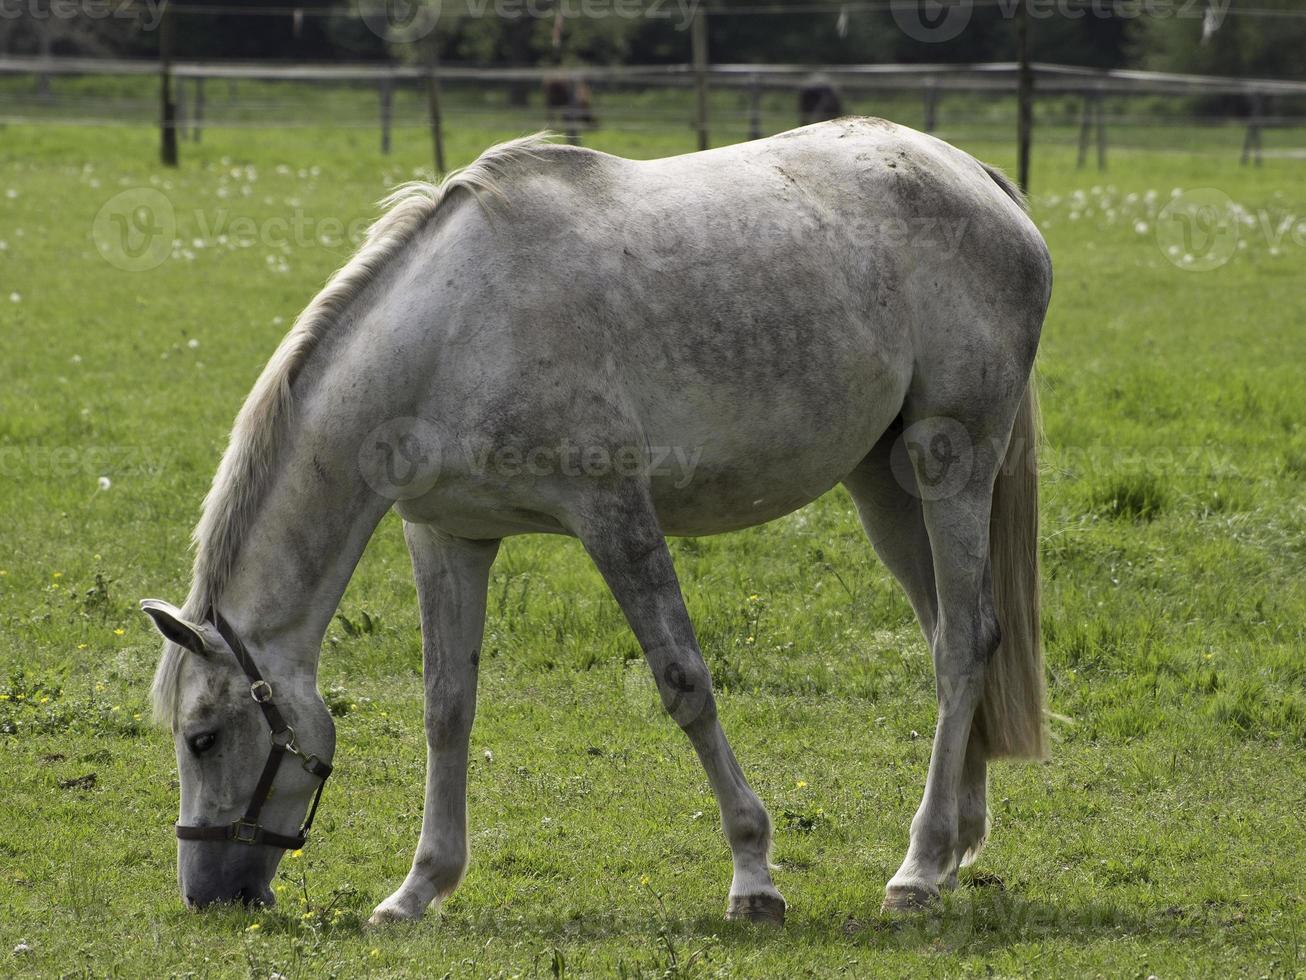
(1164, 838)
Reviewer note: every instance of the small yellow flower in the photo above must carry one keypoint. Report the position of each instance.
(754, 597)
(137, 716)
(296, 853)
(255, 927)
(4, 697)
(306, 916)
(54, 585)
(97, 557)
(375, 952)
(45, 701)
(802, 784)
(81, 646)
(57, 575)
(3, 573)
(644, 880)
(116, 708)
(119, 631)
(99, 687)
(279, 889)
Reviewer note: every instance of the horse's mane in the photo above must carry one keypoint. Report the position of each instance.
(243, 476)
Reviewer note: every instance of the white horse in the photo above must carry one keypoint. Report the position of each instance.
(561, 341)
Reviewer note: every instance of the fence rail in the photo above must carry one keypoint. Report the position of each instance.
(928, 81)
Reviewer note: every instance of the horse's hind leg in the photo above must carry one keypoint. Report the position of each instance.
(622, 535)
(888, 502)
(452, 577)
(955, 514)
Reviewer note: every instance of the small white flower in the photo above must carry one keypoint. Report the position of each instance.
(1141, 227)
(22, 947)
(11, 193)
(76, 358)
(192, 343)
(105, 483)
(15, 297)
(4, 245)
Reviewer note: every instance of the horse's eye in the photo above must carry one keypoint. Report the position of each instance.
(202, 743)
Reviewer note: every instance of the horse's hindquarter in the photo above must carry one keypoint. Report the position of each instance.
(737, 316)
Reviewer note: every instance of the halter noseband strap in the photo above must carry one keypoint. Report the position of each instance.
(246, 830)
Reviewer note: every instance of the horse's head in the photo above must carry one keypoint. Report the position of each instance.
(252, 751)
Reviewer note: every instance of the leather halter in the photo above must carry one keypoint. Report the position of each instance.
(246, 830)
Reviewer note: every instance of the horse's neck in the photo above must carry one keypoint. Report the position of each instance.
(307, 535)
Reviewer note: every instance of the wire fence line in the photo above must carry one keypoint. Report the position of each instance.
(749, 98)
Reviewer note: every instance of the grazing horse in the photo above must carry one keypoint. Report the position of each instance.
(713, 341)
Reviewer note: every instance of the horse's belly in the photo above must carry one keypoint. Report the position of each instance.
(731, 478)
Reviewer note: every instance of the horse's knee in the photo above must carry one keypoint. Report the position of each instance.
(685, 686)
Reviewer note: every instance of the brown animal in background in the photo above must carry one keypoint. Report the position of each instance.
(818, 100)
(570, 99)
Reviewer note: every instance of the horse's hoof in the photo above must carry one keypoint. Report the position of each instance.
(391, 911)
(908, 898)
(766, 909)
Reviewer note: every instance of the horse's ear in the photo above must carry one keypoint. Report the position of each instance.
(169, 621)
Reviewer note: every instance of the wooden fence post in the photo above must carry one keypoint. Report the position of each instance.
(1085, 131)
(931, 104)
(1024, 97)
(167, 107)
(698, 44)
(754, 108)
(1252, 141)
(433, 102)
(179, 122)
(1101, 131)
(386, 92)
(197, 123)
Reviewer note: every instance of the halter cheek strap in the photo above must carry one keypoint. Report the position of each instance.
(247, 830)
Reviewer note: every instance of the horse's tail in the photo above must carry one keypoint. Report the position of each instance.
(1011, 718)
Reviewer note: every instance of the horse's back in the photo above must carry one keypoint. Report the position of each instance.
(754, 314)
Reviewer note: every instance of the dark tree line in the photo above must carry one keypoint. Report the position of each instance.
(1174, 38)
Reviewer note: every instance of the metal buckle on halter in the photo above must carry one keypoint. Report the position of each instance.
(244, 832)
(261, 691)
(289, 744)
(310, 762)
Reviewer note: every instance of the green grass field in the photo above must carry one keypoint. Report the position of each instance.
(1164, 838)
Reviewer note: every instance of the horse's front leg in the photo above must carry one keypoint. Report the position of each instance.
(452, 577)
(622, 535)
